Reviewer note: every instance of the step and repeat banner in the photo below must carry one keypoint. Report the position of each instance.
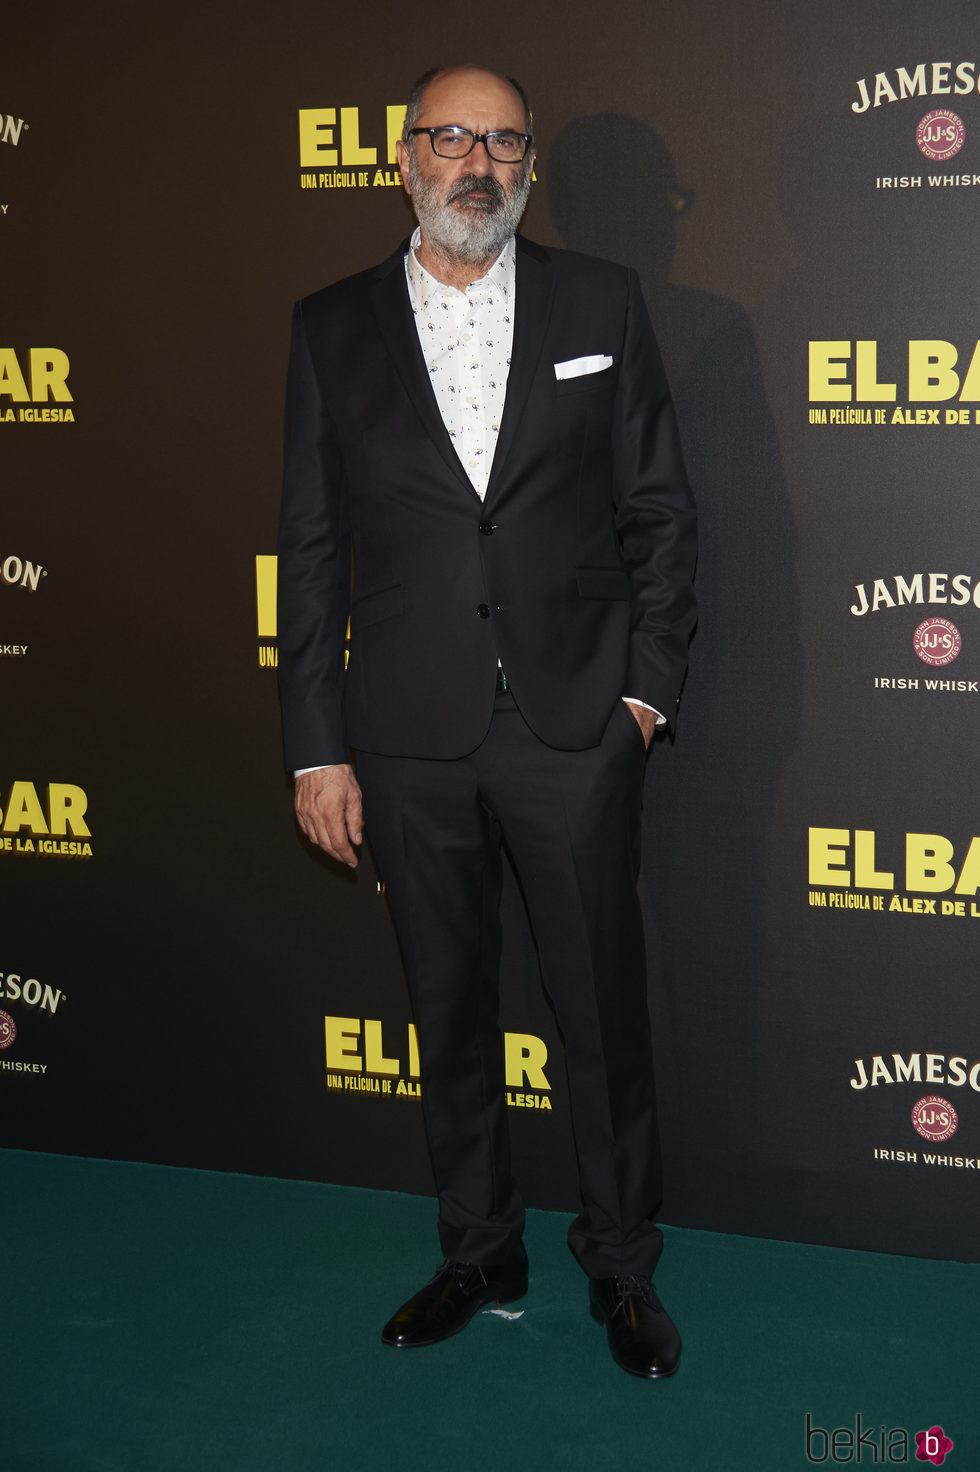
(181, 979)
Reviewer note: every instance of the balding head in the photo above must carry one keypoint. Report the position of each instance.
(469, 73)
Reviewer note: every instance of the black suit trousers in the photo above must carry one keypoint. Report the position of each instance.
(570, 823)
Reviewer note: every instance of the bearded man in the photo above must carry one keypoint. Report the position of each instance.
(488, 425)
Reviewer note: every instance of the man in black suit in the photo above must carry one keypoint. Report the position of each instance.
(488, 425)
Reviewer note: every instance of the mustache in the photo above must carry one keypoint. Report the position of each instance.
(472, 184)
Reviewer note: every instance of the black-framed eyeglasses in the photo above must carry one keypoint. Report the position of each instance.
(503, 146)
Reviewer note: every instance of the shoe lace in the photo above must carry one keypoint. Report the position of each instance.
(460, 1270)
(634, 1285)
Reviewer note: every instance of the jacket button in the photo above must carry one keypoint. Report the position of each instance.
(487, 528)
(483, 610)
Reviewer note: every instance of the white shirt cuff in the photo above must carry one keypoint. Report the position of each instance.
(632, 700)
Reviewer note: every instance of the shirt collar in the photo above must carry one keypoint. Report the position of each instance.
(426, 289)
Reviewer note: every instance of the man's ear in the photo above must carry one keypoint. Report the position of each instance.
(402, 155)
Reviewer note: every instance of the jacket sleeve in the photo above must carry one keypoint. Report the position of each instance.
(313, 569)
(655, 517)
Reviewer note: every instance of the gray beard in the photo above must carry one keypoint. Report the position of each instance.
(479, 234)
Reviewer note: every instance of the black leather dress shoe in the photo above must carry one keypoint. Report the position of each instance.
(455, 1294)
(642, 1338)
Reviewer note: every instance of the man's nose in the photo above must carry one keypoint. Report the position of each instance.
(479, 159)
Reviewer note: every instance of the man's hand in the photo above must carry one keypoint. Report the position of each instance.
(645, 719)
(328, 809)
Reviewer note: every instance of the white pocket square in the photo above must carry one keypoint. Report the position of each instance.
(575, 367)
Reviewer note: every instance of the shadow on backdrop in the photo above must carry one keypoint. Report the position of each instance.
(613, 191)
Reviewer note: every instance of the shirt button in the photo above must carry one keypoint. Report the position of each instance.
(487, 528)
(483, 610)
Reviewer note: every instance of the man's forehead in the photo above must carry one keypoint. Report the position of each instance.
(474, 89)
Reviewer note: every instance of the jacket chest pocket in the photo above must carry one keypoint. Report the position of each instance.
(586, 383)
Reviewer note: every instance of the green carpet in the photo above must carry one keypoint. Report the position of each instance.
(159, 1320)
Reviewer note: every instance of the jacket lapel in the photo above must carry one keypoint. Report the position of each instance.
(397, 324)
(535, 292)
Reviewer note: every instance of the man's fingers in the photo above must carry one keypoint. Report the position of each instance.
(645, 719)
(331, 836)
(355, 815)
(328, 810)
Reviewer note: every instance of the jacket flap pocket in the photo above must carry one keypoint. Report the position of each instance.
(372, 608)
(602, 582)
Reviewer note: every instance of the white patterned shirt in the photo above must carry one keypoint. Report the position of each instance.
(466, 339)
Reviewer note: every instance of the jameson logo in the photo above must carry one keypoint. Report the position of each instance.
(20, 572)
(940, 135)
(11, 128)
(919, 587)
(30, 993)
(927, 79)
(930, 1068)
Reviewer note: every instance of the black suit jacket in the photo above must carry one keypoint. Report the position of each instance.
(575, 571)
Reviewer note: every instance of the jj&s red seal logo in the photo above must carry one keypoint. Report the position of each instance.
(8, 1030)
(937, 641)
(934, 1118)
(941, 134)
